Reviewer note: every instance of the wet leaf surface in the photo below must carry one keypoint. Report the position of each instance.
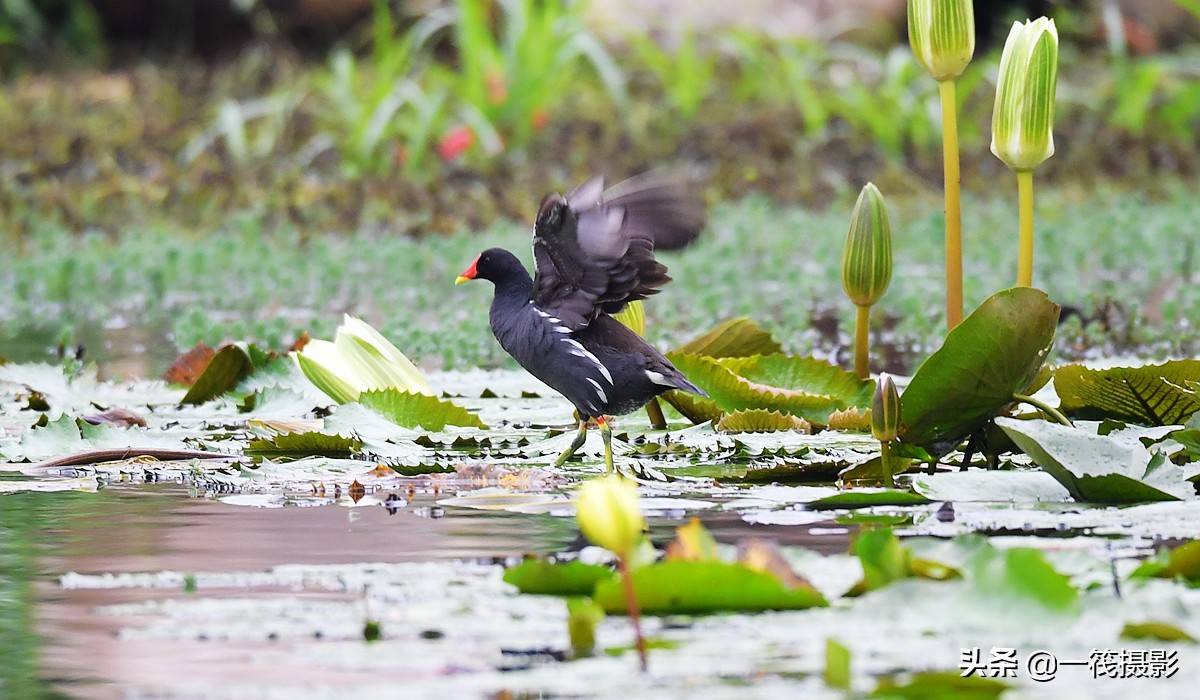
(994, 353)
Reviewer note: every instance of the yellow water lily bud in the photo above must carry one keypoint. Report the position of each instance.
(867, 257)
(1023, 118)
(609, 515)
(885, 410)
(633, 316)
(942, 35)
(324, 367)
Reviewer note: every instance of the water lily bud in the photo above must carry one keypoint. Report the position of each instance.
(942, 35)
(1023, 118)
(867, 257)
(633, 317)
(380, 364)
(358, 359)
(609, 515)
(324, 367)
(885, 410)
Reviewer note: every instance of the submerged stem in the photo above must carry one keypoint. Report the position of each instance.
(862, 352)
(1044, 408)
(952, 178)
(631, 606)
(1025, 256)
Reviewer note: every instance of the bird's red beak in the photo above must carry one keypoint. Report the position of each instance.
(469, 273)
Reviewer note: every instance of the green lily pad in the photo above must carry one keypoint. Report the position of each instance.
(886, 560)
(1098, 468)
(412, 410)
(1155, 630)
(864, 498)
(698, 587)
(757, 420)
(1182, 562)
(1151, 395)
(224, 371)
(799, 386)
(737, 337)
(994, 353)
(541, 577)
(1021, 575)
(940, 685)
(310, 444)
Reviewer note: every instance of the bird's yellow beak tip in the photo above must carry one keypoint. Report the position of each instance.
(461, 279)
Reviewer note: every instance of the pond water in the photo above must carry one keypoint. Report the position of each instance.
(69, 639)
(258, 576)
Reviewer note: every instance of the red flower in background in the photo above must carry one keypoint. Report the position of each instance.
(456, 142)
(497, 87)
(540, 118)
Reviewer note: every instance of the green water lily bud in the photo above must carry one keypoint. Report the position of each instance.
(867, 257)
(1023, 118)
(942, 35)
(885, 410)
(609, 515)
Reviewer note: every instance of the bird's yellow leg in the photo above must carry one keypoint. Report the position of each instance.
(606, 434)
(580, 437)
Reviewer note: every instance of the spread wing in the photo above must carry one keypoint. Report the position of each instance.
(594, 249)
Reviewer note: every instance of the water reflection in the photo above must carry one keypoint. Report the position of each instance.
(53, 639)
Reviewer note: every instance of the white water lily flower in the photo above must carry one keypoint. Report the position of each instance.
(1023, 118)
(358, 359)
(942, 35)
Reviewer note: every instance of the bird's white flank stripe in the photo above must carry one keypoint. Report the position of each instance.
(593, 382)
(556, 322)
(579, 351)
(657, 378)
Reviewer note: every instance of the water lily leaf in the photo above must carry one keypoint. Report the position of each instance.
(698, 587)
(1098, 468)
(757, 420)
(1021, 574)
(886, 560)
(223, 372)
(800, 386)
(1158, 631)
(995, 352)
(991, 486)
(853, 419)
(312, 444)
(412, 410)
(871, 470)
(1182, 562)
(1151, 395)
(947, 685)
(737, 337)
(867, 498)
(542, 577)
(188, 367)
(698, 409)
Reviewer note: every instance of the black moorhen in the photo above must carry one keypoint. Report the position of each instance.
(594, 253)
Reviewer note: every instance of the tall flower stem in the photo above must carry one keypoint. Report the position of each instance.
(885, 464)
(1025, 256)
(654, 411)
(862, 352)
(635, 615)
(954, 258)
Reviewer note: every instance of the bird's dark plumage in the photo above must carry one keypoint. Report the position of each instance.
(594, 252)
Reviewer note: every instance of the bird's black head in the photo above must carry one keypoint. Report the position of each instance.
(494, 264)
